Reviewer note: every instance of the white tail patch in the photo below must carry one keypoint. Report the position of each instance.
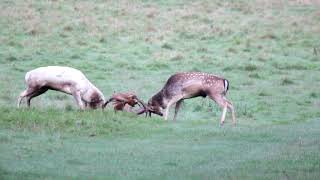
(27, 77)
(226, 85)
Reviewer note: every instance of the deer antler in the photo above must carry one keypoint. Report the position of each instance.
(149, 110)
(141, 102)
(107, 102)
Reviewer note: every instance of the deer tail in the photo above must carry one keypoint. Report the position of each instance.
(226, 86)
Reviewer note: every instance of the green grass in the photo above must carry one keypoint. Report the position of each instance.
(268, 50)
(101, 145)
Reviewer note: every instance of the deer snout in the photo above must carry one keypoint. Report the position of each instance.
(154, 110)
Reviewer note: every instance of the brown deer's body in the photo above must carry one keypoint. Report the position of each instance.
(187, 85)
(124, 101)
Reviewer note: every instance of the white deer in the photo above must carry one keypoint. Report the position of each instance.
(63, 79)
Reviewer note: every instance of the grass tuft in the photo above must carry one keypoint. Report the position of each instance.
(177, 57)
(314, 95)
(255, 76)
(167, 46)
(286, 66)
(269, 36)
(286, 81)
(11, 59)
(229, 68)
(33, 32)
(250, 67)
(263, 94)
(157, 66)
(68, 28)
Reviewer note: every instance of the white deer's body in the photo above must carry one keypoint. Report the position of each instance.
(187, 85)
(63, 79)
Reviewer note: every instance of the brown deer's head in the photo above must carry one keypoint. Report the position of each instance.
(154, 106)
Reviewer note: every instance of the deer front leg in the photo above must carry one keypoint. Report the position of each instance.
(178, 105)
(77, 97)
(85, 104)
(172, 101)
(166, 112)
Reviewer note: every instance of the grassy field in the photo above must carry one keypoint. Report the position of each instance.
(268, 50)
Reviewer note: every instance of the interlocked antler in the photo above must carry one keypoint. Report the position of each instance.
(148, 110)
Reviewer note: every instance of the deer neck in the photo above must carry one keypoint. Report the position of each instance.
(93, 94)
(158, 100)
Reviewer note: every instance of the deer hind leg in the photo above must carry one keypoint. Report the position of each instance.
(22, 95)
(28, 92)
(178, 105)
(222, 102)
(231, 108)
(36, 93)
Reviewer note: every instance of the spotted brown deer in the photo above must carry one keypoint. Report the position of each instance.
(64, 79)
(188, 85)
(124, 101)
